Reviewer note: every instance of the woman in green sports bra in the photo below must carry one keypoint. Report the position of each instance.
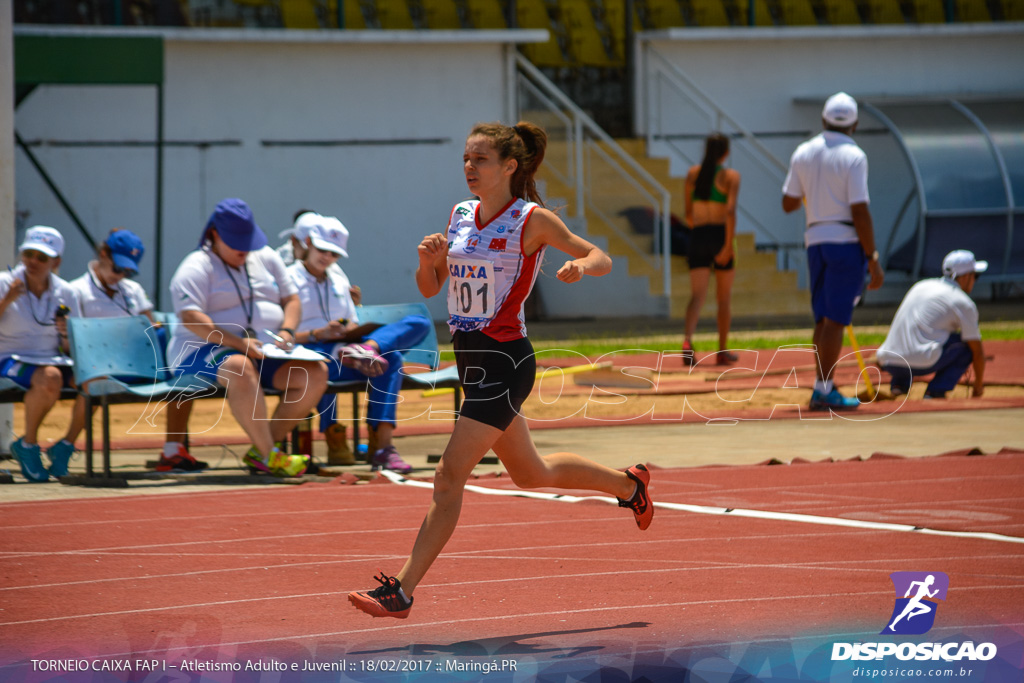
(710, 194)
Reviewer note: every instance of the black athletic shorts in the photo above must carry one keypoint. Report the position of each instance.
(705, 243)
(496, 377)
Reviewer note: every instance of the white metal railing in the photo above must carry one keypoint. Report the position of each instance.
(589, 150)
(664, 79)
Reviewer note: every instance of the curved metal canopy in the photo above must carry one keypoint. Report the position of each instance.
(967, 161)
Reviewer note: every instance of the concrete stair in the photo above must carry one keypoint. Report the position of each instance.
(759, 289)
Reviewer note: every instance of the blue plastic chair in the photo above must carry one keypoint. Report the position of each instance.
(119, 360)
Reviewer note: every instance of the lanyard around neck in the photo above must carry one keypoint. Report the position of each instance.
(248, 311)
(324, 298)
(113, 297)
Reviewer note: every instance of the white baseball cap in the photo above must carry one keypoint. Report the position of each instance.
(840, 110)
(962, 262)
(330, 235)
(45, 239)
(300, 230)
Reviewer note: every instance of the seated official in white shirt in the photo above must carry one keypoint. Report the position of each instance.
(106, 290)
(329, 315)
(238, 310)
(34, 305)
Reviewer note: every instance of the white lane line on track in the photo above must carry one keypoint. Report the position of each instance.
(734, 512)
(460, 584)
(504, 555)
(136, 551)
(284, 537)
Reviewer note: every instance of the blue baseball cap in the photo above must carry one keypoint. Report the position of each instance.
(126, 249)
(234, 223)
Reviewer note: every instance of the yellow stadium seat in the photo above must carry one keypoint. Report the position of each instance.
(615, 20)
(664, 14)
(841, 12)
(929, 11)
(762, 17)
(972, 10)
(441, 14)
(299, 14)
(1013, 10)
(534, 14)
(582, 37)
(353, 10)
(797, 13)
(394, 15)
(884, 12)
(486, 14)
(709, 13)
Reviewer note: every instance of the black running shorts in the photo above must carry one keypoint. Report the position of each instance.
(496, 377)
(705, 243)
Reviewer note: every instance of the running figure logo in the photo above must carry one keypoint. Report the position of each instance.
(914, 612)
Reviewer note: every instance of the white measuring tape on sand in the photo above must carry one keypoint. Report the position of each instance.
(731, 512)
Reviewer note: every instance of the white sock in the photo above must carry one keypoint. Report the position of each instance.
(824, 386)
(401, 591)
(171, 448)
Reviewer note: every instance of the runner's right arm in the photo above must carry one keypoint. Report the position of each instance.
(433, 267)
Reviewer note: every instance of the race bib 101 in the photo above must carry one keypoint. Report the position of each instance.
(471, 291)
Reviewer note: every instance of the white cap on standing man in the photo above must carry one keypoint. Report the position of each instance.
(840, 110)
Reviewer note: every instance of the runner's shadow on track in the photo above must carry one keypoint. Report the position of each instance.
(508, 645)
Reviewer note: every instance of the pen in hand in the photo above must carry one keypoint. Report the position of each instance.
(279, 339)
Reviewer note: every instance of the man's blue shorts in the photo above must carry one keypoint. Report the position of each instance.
(836, 274)
(21, 373)
(208, 358)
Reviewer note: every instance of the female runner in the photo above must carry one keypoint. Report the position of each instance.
(711, 195)
(492, 253)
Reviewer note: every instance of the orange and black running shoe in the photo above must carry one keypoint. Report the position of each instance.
(640, 503)
(384, 601)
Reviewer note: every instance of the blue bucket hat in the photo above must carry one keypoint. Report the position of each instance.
(126, 249)
(234, 223)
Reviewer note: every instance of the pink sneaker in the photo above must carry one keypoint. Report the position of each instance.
(365, 359)
(388, 458)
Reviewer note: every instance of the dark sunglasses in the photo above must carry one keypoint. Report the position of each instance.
(332, 254)
(36, 255)
(127, 272)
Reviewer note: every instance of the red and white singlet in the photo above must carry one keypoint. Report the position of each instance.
(489, 276)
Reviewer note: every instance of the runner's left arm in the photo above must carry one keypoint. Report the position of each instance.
(545, 228)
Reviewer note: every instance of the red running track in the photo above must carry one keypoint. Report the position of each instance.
(265, 572)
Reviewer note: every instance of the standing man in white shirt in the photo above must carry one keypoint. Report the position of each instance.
(828, 175)
(935, 330)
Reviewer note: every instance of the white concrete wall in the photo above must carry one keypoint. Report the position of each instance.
(617, 294)
(758, 74)
(773, 82)
(399, 105)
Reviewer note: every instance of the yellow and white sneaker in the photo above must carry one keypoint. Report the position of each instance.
(278, 463)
